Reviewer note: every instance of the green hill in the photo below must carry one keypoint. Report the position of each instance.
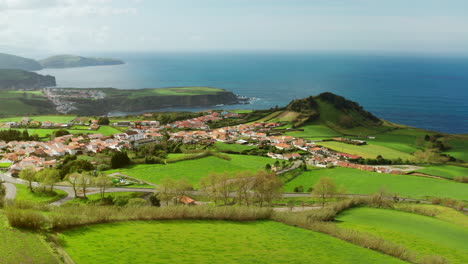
(8, 61)
(19, 79)
(70, 61)
(335, 112)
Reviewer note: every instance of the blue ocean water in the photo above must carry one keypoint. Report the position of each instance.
(420, 91)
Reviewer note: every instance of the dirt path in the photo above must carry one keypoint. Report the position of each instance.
(10, 191)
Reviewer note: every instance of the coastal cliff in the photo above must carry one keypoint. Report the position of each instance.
(19, 79)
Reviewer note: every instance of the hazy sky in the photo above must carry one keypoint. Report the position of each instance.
(71, 26)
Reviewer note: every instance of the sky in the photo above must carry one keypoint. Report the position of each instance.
(32, 27)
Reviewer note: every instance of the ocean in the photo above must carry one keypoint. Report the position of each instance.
(429, 92)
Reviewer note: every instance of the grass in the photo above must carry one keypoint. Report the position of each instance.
(366, 151)
(193, 170)
(210, 242)
(403, 139)
(20, 246)
(459, 148)
(364, 182)
(195, 90)
(43, 132)
(223, 147)
(268, 117)
(314, 131)
(446, 171)
(422, 234)
(23, 193)
(5, 165)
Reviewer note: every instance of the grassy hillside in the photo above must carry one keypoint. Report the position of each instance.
(24, 103)
(210, 242)
(364, 182)
(422, 234)
(8, 61)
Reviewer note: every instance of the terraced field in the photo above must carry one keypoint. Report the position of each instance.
(366, 151)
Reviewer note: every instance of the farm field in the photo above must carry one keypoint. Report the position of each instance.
(210, 242)
(459, 148)
(314, 131)
(23, 194)
(403, 139)
(193, 170)
(446, 171)
(196, 90)
(422, 234)
(223, 147)
(366, 151)
(363, 182)
(21, 246)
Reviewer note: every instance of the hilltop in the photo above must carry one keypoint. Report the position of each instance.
(71, 61)
(8, 61)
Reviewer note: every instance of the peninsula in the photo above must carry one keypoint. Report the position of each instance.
(72, 61)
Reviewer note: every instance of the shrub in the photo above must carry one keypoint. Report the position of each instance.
(103, 167)
(137, 202)
(121, 200)
(29, 219)
(462, 179)
(299, 189)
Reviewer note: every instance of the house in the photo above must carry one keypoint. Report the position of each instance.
(186, 200)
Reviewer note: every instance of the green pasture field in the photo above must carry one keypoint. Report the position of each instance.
(22, 246)
(193, 170)
(314, 131)
(23, 194)
(366, 151)
(223, 147)
(210, 242)
(403, 139)
(459, 148)
(363, 182)
(43, 132)
(196, 90)
(423, 234)
(446, 171)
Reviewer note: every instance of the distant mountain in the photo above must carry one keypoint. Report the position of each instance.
(8, 61)
(19, 79)
(71, 61)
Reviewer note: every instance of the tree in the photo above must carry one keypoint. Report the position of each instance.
(28, 174)
(102, 183)
(73, 180)
(182, 187)
(165, 190)
(103, 121)
(324, 188)
(267, 187)
(48, 177)
(120, 159)
(84, 181)
(61, 132)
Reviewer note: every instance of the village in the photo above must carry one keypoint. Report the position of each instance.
(38, 154)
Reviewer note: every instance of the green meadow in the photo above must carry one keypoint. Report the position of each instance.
(23, 194)
(366, 151)
(422, 234)
(446, 171)
(210, 242)
(193, 170)
(363, 182)
(314, 131)
(223, 147)
(64, 119)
